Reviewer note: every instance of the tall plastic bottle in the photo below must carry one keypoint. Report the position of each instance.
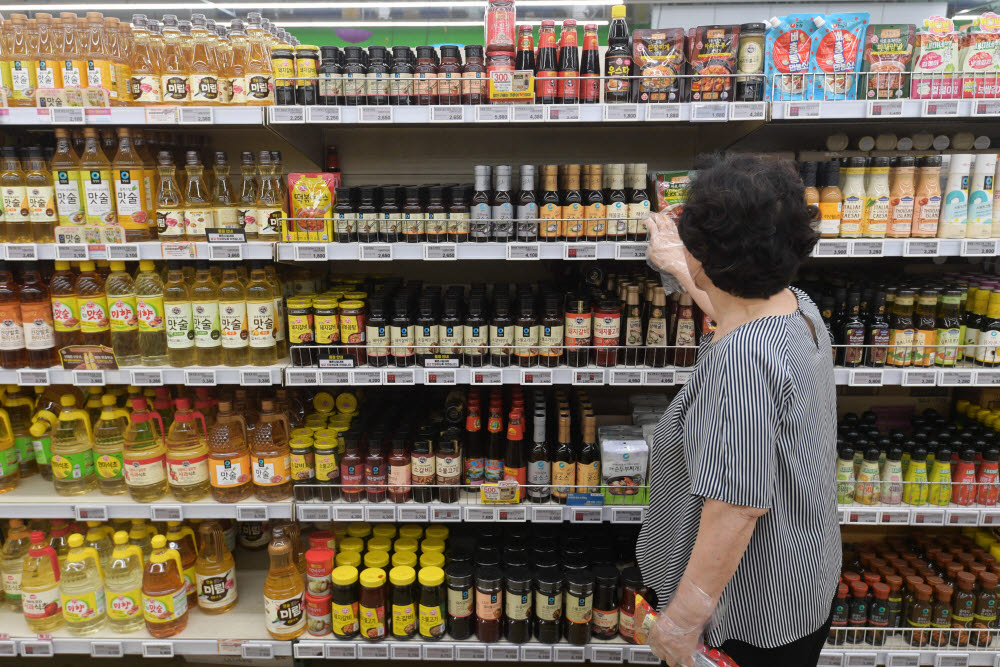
(270, 455)
(224, 50)
(98, 198)
(178, 319)
(955, 200)
(120, 66)
(13, 354)
(233, 319)
(284, 592)
(123, 316)
(10, 474)
(12, 562)
(224, 206)
(109, 447)
(164, 593)
(73, 63)
(138, 536)
(145, 454)
(82, 589)
(280, 318)
(144, 83)
(59, 539)
(40, 599)
(258, 72)
(198, 214)
(36, 315)
(41, 197)
(99, 538)
(72, 451)
(175, 66)
(215, 571)
(67, 180)
(123, 586)
(99, 61)
(65, 306)
(48, 74)
(22, 71)
(91, 298)
(43, 424)
(16, 218)
(18, 405)
(262, 319)
(149, 305)
(181, 539)
(187, 454)
(205, 310)
(229, 456)
(204, 74)
(131, 190)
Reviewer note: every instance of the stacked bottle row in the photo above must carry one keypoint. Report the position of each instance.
(934, 592)
(58, 576)
(610, 204)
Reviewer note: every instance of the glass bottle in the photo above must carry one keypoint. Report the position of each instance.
(568, 86)
(261, 319)
(92, 300)
(164, 592)
(175, 65)
(123, 317)
(425, 72)
(615, 203)
(41, 197)
(229, 456)
(109, 444)
(474, 76)
(203, 78)
(16, 218)
(36, 316)
(246, 213)
(270, 205)
(284, 592)
(450, 75)
(181, 352)
(638, 203)
(271, 457)
(502, 205)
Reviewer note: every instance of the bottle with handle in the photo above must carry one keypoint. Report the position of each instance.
(215, 571)
(164, 593)
(72, 451)
(40, 598)
(187, 453)
(181, 539)
(10, 474)
(82, 589)
(124, 585)
(109, 447)
(145, 454)
(270, 455)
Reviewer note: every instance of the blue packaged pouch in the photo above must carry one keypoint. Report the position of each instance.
(837, 50)
(788, 50)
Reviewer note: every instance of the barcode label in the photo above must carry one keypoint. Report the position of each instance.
(986, 108)
(307, 650)
(67, 115)
(830, 660)
(902, 660)
(896, 516)
(659, 378)
(625, 378)
(312, 252)
(586, 515)
(515, 514)
(301, 378)
(490, 377)
(928, 517)
(580, 251)
(626, 515)
(978, 247)
(568, 654)
(71, 251)
(504, 653)
(962, 517)
(954, 378)
(832, 248)
(951, 660)
(588, 377)
(199, 378)
(165, 512)
(406, 651)
(373, 652)
(643, 656)
(865, 378)
(528, 113)
(335, 377)
(867, 248)
(122, 251)
(161, 115)
(36, 649)
(399, 377)
(606, 654)
(919, 378)
(21, 251)
(536, 653)
(366, 377)
(630, 250)
(748, 111)
(475, 652)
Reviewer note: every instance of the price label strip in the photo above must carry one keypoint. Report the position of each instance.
(493, 113)
(621, 112)
(663, 112)
(323, 114)
(937, 108)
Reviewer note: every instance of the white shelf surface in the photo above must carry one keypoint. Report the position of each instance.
(118, 116)
(195, 376)
(911, 248)
(140, 250)
(856, 514)
(898, 653)
(515, 251)
(468, 510)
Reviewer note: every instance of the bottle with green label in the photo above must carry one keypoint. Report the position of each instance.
(149, 307)
(123, 316)
(205, 309)
(109, 445)
(82, 589)
(98, 199)
(10, 473)
(178, 319)
(44, 423)
(73, 451)
(66, 180)
(18, 405)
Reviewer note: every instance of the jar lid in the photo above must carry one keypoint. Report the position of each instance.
(306, 47)
(432, 546)
(319, 557)
(302, 433)
(372, 577)
(548, 579)
(359, 529)
(459, 574)
(354, 544)
(351, 305)
(344, 575)
(432, 559)
(402, 575)
(517, 579)
(324, 302)
(351, 558)
(299, 302)
(437, 532)
(378, 559)
(346, 402)
(431, 576)
(323, 402)
(405, 544)
(580, 582)
(404, 559)
(606, 576)
(380, 544)
(489, 575)
(386, 530)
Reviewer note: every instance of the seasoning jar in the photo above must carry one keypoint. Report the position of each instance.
(489, 603)
(578, 330)
(377, 559)
(331, 77)
(352, 330)
(631, 586)
(431, 608)
(306, 73)
(432, 560)
(425, 86)
(376, 543)
(371, 609)
(283, 67)
(579, 607)
(607, 331)
(750, 63)
(548, 604)
(404, 615)
(450, 75)
(431, 545)
(517, 605)
(378, 75)
(401, 77)
(303, 465)
(349, 558)
(326, 322)
(605, 621)
(319, 567)
(461, 600)
(319, 620)
(499, 61)
(344, 609)
(404, 559)
(327, 467)
(355, 76)
(300, 329)
(475, 88)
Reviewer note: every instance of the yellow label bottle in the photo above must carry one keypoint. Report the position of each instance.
(66, 181)
(130, 189)
(124, 585)
(82, 589)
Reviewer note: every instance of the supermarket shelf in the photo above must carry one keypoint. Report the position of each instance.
(927, 248)
(883, 109)
(896, 653)
(958, 376)
(924, 515)
(117, 116)
(197, 376)
(384, 252)
(469, 513)
(36, 497)
(391, 376)
(139, 250)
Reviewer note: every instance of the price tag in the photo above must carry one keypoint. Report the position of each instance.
(255, 378)
(862, 660)
(748, 111)
(179, 250)
(862, 516)
(832, 248)
(90, 512)
(536, 653)
(375, 252)
(366, 377)
(301, 378)
(384, 513)
(896, 516)
(827, 659)
(990, 518)
(621, 112)
(445, 513)
(439, 652)
(475, 652)
(283, 114)
(902, 660)
(440, 251)
(251, 513)
(71, 251)
(480, 514)
(663, 112)
(659, 378)
(799, 110)
(939, 108)
(504, 653)
(373, 652)
(36, 649)
(585, 251)
(440, 376)
(30, 378)
(447, 114)
(625, 378)
(349, 513)
(258, 651)
(885, 108)
(922, 517)
(416, 513)
(199, 378)
(21, 252)
(683, 376)
(310, 252)
(568, 654)
(986, 108)
(954, 378)
(528, 113)
(322, 114)
(122, 251)
(586, 515)
(147, 378)
(522, 251)
(962, 517)
(8, 649)
(951, 660)
(630, 250)
(318, 514)
(335, 377)
(921, 248)
(643, 656)
(588, 377)
(225, 252)
(562, 113)
(493, 113)
(536, 377)
(67, 115)
(302, 650)
(374, 114)
(487, 377)
(341, 651)
(157, 650)
(89, 378)
(399, 377)
(868, 248)
(161, 115)
(709, 112)
(917, 378)
(516, 514)
(627, 514)
(865, 378)
(987, 378)
(978, 247)
(547, 514)
(606, 654)
(165, 512)
(405, 651)
(196, 116)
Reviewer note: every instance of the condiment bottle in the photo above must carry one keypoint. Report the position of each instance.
(517, 605)
(981, 186)
(901, 200)
(401, 83)
(403, 624)
(489, 603)
(344, 609)
(215, 571)
(450, 76)
(955, 202)
(877, 199)
(853, 203)
(372, 604)
(426, 74)
(474, 79)
(579, 606)
(284, 591)
(927, 198)
(164, 592)
(963, 608)
(830, 200)
(431, 610)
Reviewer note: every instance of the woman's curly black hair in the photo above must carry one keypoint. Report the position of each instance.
(746, 221)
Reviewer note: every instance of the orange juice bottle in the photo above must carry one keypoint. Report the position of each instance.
(284, 592)
(175, 65)
(257, 68)
(164, 593)
(144, 83)
(215, 571)
(22, 69)
(48, 74)
(99, 63)
(72, 61)
(204, 75)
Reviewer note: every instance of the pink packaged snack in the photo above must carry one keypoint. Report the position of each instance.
(935, 61)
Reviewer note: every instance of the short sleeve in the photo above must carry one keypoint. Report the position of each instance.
(736, 450)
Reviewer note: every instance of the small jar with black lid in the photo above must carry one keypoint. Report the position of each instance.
(579, 607)
(331, 76)
(378, 75)
(355, 76)
(401, 77)
(489, 603)
(604, 624)
(461, 600)
(283, 65)
(548, 604)
(517, 605)
(306, 74)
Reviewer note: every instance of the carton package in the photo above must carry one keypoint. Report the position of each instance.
(624, 465)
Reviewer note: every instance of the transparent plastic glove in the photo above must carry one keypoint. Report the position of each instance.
(665, 253)
(676, 635)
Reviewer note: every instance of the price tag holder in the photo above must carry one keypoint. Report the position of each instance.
(310, 252)
(8, 649)
(528, 113)
(255, 378)
(335, 377)
(915, 378)
(377, 513)
(614, 654)
(368, 114)
(493, 113)
(179, 250)
(504, 653)
(621, 112)
(580, 251)
(979, 247)
(200, 378)
(157, 650)
(375, 252)
(349, 513)
(473, 652)
(414, 514)
(683, 376)
(922, 517)
(486, 377)
(90, 512)
(586, 515)
(36, 648)
(290, 114)
(71, 251)
(536, 653)
(445, 513)
(946, 659)
(709, 112)
(748, 111)
(480, 514)
(987, 378)
(547, 514)
(322, 114)
(21, 252)
(588, 377)
(937, 108)
(895, 517)
(902, 660)
(366, 377)
(373, 652)
(986, 108)
(67, 115)
(961, 517)
(31, 378)
(568, 654)
(147, 378)
(630, 250)
(436, 252)
(990, 517)
(257, 651)
(439, 652)
(627, 514)
(523, 251)
(251, 513)
(802, 110)
(921, 248)
(304, 650)
(864, 659)
(885, 108)
(318, 514)
(440, 376)
(562, 113)
(341, 651)
(625, 378)
(447, 114)
(643, 656)
(832, 248)
(663, 112)
(122, 251)
(196, 116)
(225, 252)
(536, 377)
(399, 377)
(865, 378)
(954, 378)
(827, 659)
(868, 248)
(661, 378)
(405, 651)
(867, 517)
(301, 378)
(166, 512)
(515, 514)
(89, 378)
(161, 115)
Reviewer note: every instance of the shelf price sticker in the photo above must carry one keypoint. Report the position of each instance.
(157, 650)
(255, 378)
(225, 252)
(581, 251)
(307, 649)
(8, 649)
(539, 654)
(341, 651)
(322, 114)
(89, 378)
(921, 248)
(377, 513)
(399, 377)
(663, 112)
(987, 378)
(373, 652)
(562, 113)
(868, 248)
(547, 514)
(627, 514)
(310, 252)
(922, 517)
(986, 108)
(990, 518)
(335, 377)
(832, 248)
(586, 515)
(961, 517)
(67, 115)
(588, 377)
(29, 378)
(709, 112)
(480, 514)
(538, 377)
(90, 512)
(625, 378)
(902, 660)
(440, 251)
(341, 513)
(862, 659)
(41, 648)
(895, 517)
(21, 252)
(865, 378)
(252, 513)
(257, 651)
(748, 111)
(413, 514)
(885, 108)
(954, 378)
(801, 110)
(439, 652)
(486, 377)
(286, 114)
(122, 251)
(512, 514)
(504, 653)
(523, 251)
(405, 651)
(445, 513)
(613, 654)
(179, 250)
(528, 113)
(447, 114)
(370, 114)
(366, 377)
(916, 378)
(493, 113)
(568, 654)
(161, 115)
(662, 378)
(147, 378)
(827, 659)
(621, 112)
(643, 656)
(200, 378)
(683, 376)
(440, 377)
(301, 378)
(375, 252)
(71, 251)
(938, 108)
(630, 250)
(318, 513)
(951, 660)
(166, 512)
(474, 652)
(978, 247)
(197, 116)
(867, 517)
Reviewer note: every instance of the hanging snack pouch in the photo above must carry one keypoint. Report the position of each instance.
(671, 188)
(712, 51)
(886, 61)
(836, 56)
(312, 198)
(935, 61)
(658, 59)
(979, 55)
(786, 61)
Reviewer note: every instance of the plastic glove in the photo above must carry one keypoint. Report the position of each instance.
(665, 253)
(677, 632)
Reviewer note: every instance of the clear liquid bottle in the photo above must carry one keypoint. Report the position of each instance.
(204, 72)
(95, 326)
(73, 451)
(240, 47)
(21, 59)
(123, 585)
(280, 319)
(59, 539)
(164, 593)
(40, 599)
(233, 319)
(175, 65)
(145, 454)
(224, 205)
(284, 592)
(169, 202)
(258, 71)
(149, 308)
(198, 213)
(261, 316)
(215, 571)
(98, 199)
(139, 536)
(181, 539)
(16, 214)
(36, 315)
(187, 453)
(19, 405)
(82, 589)
(120, 65)
(270, 206)
(67, 179)
(99, 539)
(205, 309)
(48, 74)
(247, 212)
(12, 562)
(180, 327)
(109, 447)
(131, 191)
(229, 456)
(72, 65)
(141, 142)
(270, 455)
(41, 197)
(123, 316)
(144, 82)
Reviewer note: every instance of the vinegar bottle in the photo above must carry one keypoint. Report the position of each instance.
(181, 539)
(205, 309)
(164, 593)
(215, 571)
(109, 447)
(99, 62)
(229, 456)
(123, 317)
(73, 62)
(12, 352)
(175, 66)
(284, 592)
(98, 201)
(258, 72)
(233, 319)
(204, 73)
(21, 58)
(270, 455)
(149, 308)
(12, 562)
(82, 589)
(224, 205)
(131, 193)
(95, 327)
(145, 454)
(125, 46)
(36, 314)
(40, 599)
(67, 179)
(262, 322)
(41, 197)
(72, 451)
(144, 83)
(17, 227)
(180, 328)
(169, 202)
(187, 453)
(197, 200)
(123, 585)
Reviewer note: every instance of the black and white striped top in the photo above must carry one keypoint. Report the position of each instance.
(755, 425)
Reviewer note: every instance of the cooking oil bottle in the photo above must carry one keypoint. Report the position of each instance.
(164, 593)
(175, 66)
(280, 319)
(169, 202)
(270, 455)
(122, 314)
(67, 180)
(18, 405)
(149, 304)
(12, 562)
(41, 197)
(215, 570)
(180, 328)
(204, 73)
(109, 447)
(187, 453)
(99, 539)
(98, 200)
(124, 585)
(224, 205)
(145, 454)
(284, 593)
(257, 68)
(17, 222)
(59, 539)
(93, 403)
(65, 305)
(82, 589)
(40, 597)
(181, 539)
(198, 213)
(262, 322)
(138, 536)
(91, 298)
(144, 83)
(131, 192)
(21, 59)
(72, 451)
(43, 424)
(205, 308)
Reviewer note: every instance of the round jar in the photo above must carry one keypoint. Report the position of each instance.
(307, 73)
(579, 607)
(517, 605)
(283, 67)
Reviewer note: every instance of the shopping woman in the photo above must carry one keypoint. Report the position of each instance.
(742, 540)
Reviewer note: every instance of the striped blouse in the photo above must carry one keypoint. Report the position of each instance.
(755, 425)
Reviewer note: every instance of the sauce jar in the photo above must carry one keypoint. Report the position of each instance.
(425, 86)
(355, 76)
(300, 329)
(631, 586)
(517, 605)
(326, 321)
(404, 559)
(307, 73)
(283, 66)
(331, 77)
(371, 610)
(352, 330)
(489, 603)
(403, 624)
(605, 611)
(401, 77)
(319, 620)
(499, 61)
(303, 462)
(548, 604)
(607, 331)
(344, 608)
(474, 78)
(319, 568)
(579, 606)
(327, 467)
(431, 609)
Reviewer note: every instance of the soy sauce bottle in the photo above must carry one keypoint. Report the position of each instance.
(501, 331)
(475, 333)
(401, 332)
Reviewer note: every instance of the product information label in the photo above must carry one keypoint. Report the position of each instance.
(271, 470)
(123, 605)
(165, 608)
(230, 472)
(11, 328)
(69, 200)
(109, 466)
(150, 313)
(170, 223)
(39, 333)
(233, 324)
(285, 615)
(372, 621)
(41, 604)
(187, 471)
(129, 199)
(80, 607)
(123, 313)
(216, 590)
(262, 324)
(73, 466)
(42, 204)
(345, 619)
(98, 201)
(65, 313)
(196, 220)
(144, 472)
(179, 325)
(431, 621)
(15, 203)
(207, 332)
(94, 314)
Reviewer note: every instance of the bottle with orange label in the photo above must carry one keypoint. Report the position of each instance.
(131, 191)
(187, 453)
(164, 593)
(229, 456)
(144, 452)
(181, 539)
(270, 456)
(41, 197)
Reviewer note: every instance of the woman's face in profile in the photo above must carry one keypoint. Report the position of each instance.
(695, 271)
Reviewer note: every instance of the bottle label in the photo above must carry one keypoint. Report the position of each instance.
(233, 324)
(354, 474)
(426, 339)
(829, 224)
(41, 604)
(656, 330)
(449, 339)
(588, 477)
(73, 466)
(285, 615)
(303, 466)
(927, 216)
(352, 329)
(900, 350)
(449, 469)
(401, 341)
(986, 347)
(204, 88)
(346, 223)
(331, 85)
(607, 329)
(69, 201)
(174, 87)
(460, 603)
(72, 76)
(65, 313)
(20, 78)
(145, 472)
(517, 606)
(109, 466)
(876, 215)
(475, 471)
(15, 203)
(80, 607)
(526, 341)
(11, 328)
(180, 328)
(579, 609)
(400, 475)
(327, 467)
(38, 331)
(170, 223)
(280, 318)
(226, 217)
(404, 620)
(328, 329)
(475, 339)
(501, 339)
(633, 331)
(144, 89)
(197, 219)
(948, 341)
(372, 621)
(539, 474)
(129, 199)
(494, 470)
(43, 451)
(578, 329)
(636, 213)
(45, 75)
(489, 606)
(550, 340)
(207, 332)
(262, 323)
(608, 620)
(124, 605)
(422, 468)
(216, 590)
(345, 619)
(271, 470)
(166, 608)
(122, 311)
(150, 311)
(187, 471)
(12, 585)
(229, 472)
(42, 203)
(563, 476)
(378, 340)
(269, 221)
(94, 314)
(458, 223)
(22, 445)
(431, 621)
(98, 200)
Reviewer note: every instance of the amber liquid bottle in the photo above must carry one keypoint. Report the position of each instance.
(164, 593)
(215, 571)
(284, 592)
(95, 326)
(12, 352)
(271, 459)
(229, 456)
(36, 314)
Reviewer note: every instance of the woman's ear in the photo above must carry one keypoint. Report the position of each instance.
(696, 271)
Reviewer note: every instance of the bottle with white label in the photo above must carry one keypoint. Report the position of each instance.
(41, 197)
(877, 199)
(181, 352)
(123, 585)
(955, 200)
(480, 209)
(19, 54)
(12, 563)
(131, 193)
(187, 453)
(980, 213)
(502, 205)
(82, 589)
(233, 319)
(224, 204)
(215, 570)
(98, 199)
(261, 323)
(15, 198)
(205, 310)
(203, 79)
(852, 212)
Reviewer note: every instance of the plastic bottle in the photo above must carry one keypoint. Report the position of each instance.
(164, 592)
(15, 198)
(40, 598)
(65, 306)
(47, 73)
(181, 539)
(169, 201)
(59, 539)
(95, 326)
(99, 538)
(955, 200)
(258, 72)
(224, 204)
(205, 313)
(43, 424)
(67, 180)
(270, 205)
(99, 62)
(22, 71)
(178, 318)
(18, 406)
(123, 316)
(144, 83)
(72, 451)
(204, 72)
(198, 214)
(149, 309)
(36, 316)
(145, 454)
(980, 215)
(270, 455)
(118, 89)
(131, 191)
(138, 536)
(109, 447)
(187, 453)
(93, 404)
(229, 456)
(262, 322)
(12, 562)
(99, 200)
(82, 589)
(284, 592)
(280, 317)
(175, 64)
(124, 585)
(215, 571)
(233, 319)
(164, 407)
(41, 197)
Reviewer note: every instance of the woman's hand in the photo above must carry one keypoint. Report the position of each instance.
(666, 250)
(672, 643)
